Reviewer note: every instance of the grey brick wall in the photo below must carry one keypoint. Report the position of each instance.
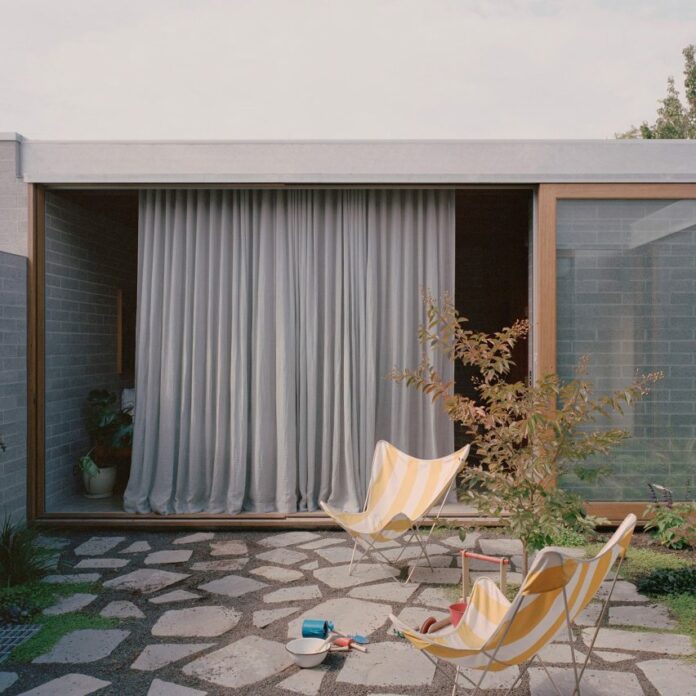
(627, 298)
(88, 257)
(13, 384)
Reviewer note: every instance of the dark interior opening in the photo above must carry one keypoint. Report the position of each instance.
(91, 262)
(492, 270)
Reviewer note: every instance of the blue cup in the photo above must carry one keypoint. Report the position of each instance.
(316, 628)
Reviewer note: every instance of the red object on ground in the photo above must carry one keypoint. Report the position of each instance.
(457, 612)
(348, 643)
(490, 559)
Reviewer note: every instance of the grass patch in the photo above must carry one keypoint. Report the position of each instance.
(54, 628)
(642, 562)
(683, 608)
(41, 594)
(38, 596)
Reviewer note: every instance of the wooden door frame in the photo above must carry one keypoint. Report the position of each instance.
(544, 282)
(543, 362)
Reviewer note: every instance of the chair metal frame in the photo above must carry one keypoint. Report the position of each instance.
(477, 686)
(369, 549)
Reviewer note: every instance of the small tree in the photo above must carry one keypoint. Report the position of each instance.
(674, 118)
(523, 435)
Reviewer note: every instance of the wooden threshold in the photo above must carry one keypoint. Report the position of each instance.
(306, 520)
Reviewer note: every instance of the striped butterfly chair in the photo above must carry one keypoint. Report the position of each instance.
(402, 491)
(495, 634)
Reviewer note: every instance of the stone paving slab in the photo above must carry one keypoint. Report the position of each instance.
(163, 688)
(137, 547)
(312, 565)
(387, 664)
(501, 547)
(305, 681)
(68, 685)
(438, 576)
(623, 592)
(664, 643)
(161, 654)
(228, 548)
(493, 680)
(293, 594)
(98, 563)
(201, 622)
(321, 543)
(415, 616)
(282, 556)
(589, 615)
(145, 580)
(612, 656)
(167, 557)
(288, 539)
(560, 653)
(337, 576)
(643, 616)
(265, 617)
(434, 597)
(385, 591)
(276, 574)
(73, 602)
(84, 645)
(594, 682)
(232, 586)
(195, 538)
(241, 663)
(175, 596)
(98, 546)
(670, 676)
(348, 615)
(7, 679)
(337, 554)
(121, 610)
(70, 578)
(415, 551)
(222, 566)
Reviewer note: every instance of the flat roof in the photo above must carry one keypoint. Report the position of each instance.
(326, 162)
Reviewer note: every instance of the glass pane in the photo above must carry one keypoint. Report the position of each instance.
(626, 276)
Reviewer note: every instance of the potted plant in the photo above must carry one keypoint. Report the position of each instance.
(111, 430)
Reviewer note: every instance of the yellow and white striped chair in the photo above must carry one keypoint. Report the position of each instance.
(402, 491)
(495, 634)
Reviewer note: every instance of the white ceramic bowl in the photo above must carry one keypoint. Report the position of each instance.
(304, 651)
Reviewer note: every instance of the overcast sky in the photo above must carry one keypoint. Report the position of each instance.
(275, 69)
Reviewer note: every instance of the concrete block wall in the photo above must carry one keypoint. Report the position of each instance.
(13, 384)
(13, 330)
(627, 299)
(88, 257)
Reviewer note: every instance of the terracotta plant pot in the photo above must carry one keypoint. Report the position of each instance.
(101, 485)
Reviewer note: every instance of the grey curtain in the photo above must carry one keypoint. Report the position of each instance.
(267, 322)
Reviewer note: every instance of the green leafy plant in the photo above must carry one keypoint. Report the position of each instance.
(669, 581)
(21, 559)
(87, 465)
(523, 435)
(674, 526)
(110, 426)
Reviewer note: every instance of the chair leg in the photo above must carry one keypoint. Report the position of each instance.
(454, 685)
(352, 557)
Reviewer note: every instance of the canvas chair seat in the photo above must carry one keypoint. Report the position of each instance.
(495, 634)
(402, 491)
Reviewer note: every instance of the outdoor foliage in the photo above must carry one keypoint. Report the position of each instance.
(674, 119)
(523, 435)
(21, 559)
(669, 581)
(674, 526)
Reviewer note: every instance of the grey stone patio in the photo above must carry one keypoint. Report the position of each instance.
(210, 613)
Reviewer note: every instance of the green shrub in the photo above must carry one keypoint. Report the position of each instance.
(21, 559)
(669, 581)
(673, 526)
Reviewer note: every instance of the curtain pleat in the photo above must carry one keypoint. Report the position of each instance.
(267, 323)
